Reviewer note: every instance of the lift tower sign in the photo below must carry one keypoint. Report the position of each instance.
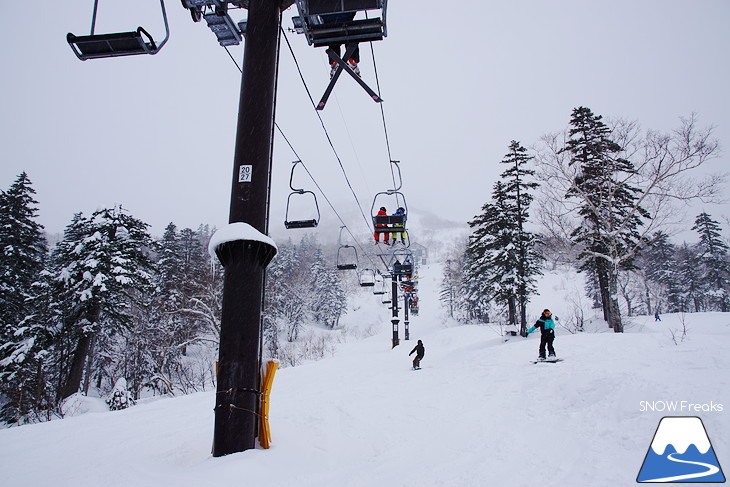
(680, 452)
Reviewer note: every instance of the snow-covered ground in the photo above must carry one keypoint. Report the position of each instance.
(478, 413)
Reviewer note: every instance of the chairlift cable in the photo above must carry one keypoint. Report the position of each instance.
(321, 121)
(286, 139)
(324, 195)
(382, 113)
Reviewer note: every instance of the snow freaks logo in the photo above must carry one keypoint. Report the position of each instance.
(680, 452)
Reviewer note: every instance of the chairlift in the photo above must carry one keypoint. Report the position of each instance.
(346, 254)
(332, 23)
(346, 258)
(289, 223)
(381, 287)
(96, 46)
(390, 223)
(366, 277)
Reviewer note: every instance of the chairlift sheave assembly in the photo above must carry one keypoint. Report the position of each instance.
(215, 14)
(97, 46)
(300, 223)
(332, 23)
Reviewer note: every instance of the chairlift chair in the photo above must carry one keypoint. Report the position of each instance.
(332, 23)
(329, 22)
(346, 259)
(390, 223)
(366, 278)
(380, 288)
(299, 223)
(97, 46)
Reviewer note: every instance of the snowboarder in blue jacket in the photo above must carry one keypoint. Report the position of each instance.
(547, 333)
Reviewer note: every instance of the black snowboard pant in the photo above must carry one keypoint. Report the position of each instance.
(417, 361)
(546, 339)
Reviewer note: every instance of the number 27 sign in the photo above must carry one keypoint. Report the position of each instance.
(244, 174)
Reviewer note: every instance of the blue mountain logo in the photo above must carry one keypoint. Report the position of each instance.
(681, 452)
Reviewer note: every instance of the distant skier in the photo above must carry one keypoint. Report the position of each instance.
(657, 317)
(547, 333)
(420, 352)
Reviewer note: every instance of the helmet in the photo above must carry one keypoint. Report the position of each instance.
(546, 312)
(382, 208)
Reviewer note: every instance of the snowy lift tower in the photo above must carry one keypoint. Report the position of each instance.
(245, 257)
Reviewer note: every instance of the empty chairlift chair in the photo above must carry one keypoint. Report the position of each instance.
(367, 278)
(96, 46)
(290, 223)
(346, 258)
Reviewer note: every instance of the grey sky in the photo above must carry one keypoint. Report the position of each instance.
(156, 133)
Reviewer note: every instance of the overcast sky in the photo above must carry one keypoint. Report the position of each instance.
(156, 133)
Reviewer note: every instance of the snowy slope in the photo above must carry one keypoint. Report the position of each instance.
(478, 413)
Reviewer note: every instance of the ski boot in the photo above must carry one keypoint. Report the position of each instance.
(353, 66)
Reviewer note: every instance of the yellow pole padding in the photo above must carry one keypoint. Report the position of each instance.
(268, 380)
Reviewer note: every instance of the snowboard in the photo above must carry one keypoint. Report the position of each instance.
(549, 361)
(415, 368)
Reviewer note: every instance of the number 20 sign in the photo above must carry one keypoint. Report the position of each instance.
(244, 174)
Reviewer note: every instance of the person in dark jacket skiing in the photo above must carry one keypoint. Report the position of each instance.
(546, 324)
(420, 352)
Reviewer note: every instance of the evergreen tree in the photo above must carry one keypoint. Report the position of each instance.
(103, 269)
(25, 327)
(611, 216)
(451, 286)
(501, 255)
(685, 293)
(329, 301)
(518, 199)
(23, 252)
(714, 259)
(26, 366)
(656, 262)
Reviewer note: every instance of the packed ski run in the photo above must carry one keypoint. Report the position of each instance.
(478, 413)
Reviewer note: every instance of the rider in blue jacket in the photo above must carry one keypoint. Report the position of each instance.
(547, 333)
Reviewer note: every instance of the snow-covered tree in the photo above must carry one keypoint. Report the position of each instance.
(22, 251)
(103, 268)
(120, 397)
(501, 253)
(685, 293)
(609, 233)
(610, 197)
(25, 319)
(329, 301)
(655, 263)
(715, 263)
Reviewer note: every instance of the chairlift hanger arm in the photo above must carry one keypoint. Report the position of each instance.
(97, 46)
